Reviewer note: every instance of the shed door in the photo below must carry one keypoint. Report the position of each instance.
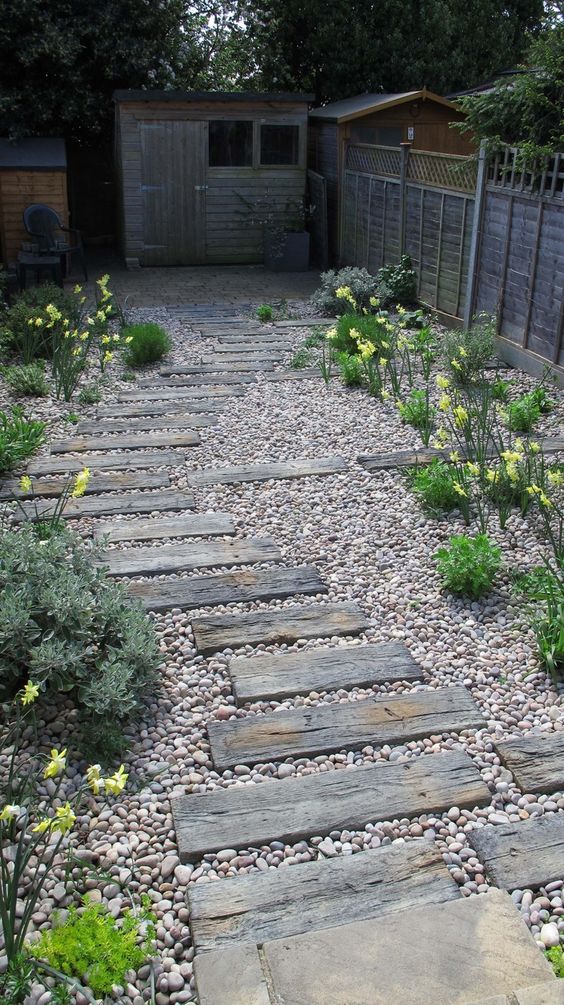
(173, 180)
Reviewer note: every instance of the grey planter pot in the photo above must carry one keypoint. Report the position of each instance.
(286, 252)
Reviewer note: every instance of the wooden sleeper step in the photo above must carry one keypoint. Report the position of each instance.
(97, 483)
(145, 409)
(217, 390)
(56, 464)
(185, 557)
(522, 855)
(194, 525)
(536, 760)
(299, 468)
(156, 423)
(121, 441)
(106, 505)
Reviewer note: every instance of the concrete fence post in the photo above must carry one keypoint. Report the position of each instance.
(404, 159)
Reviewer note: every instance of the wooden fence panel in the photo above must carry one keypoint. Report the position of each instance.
(319, 234)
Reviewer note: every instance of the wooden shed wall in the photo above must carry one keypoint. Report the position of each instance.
(432, 127)
(229, 233)
(323, 147)
(18, 189)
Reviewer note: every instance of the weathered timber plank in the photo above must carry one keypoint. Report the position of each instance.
(229, 588)
(301, 468)
(157, 423)
(215, 377)
(134, 502)
(318, 895)
(55, 464)
(143, 441)
(316, 621)
(185, 557)
(274, 349)
(97, 483)
(215, 365)
(536, 760)
(424, 455)
(263, 357)
(188, 407)
(526, 854)
(195, 525)
(308, 373)
(182, 394)
(344, 726)
(252, 815)
(282, 340)
(261, 678)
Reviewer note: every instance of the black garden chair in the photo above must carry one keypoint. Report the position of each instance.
(44, 224)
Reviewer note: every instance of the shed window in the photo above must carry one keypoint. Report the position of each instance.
(279, 144)
(231, 143)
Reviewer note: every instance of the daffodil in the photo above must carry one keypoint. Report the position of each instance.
(77, 289)
(43, 825)
(454, 456)
(492, 475)
(108, 357)
(64, 818)
(94, 779)
(512, 472)
(25, 483)
(331, 334)
(442, 382)
(385, 395)
(460, 416)
(459, 489)
(81, 483)
(39, 322)
(455, 364)
(556, 478)
(534, 447)
(444, 402)
(9, 812)
(116, 782)
(473, 468)
(383, 361)
(57, 764)
(374, 302)
(462, 351)
(29, 693)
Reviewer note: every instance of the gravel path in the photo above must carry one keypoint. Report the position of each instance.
(371, 543)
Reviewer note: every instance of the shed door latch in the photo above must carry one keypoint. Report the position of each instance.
(200, 188)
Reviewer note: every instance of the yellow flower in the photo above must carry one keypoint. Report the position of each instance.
(556, 478)
(366, 349)
(115, 338)
(9, 813)
(512, 472)
(534, 447)
(94, 779)
(57, 764)
(462, 351)
(441, 438)
(29, 693)
(382, 361)
(25, 483)
(105, 340)
(442, 382)
(460, 416)
(459, 489)
(81, 483)
(43, 825)
(454, 363)
(444, 402)
(454, 456)
(492, 475)
(84, 336)
(374, 302)
(344, 293)
(331, 334)
(129, 338)
(473, 468)
(385, 345)
(77, 289)
(64, 818)
(400, 310)
(39, 322)
(544, 500)
(519, 445)
(116, 782)
(77, 352)
(355, 334)
(385, 395)
(108, 356)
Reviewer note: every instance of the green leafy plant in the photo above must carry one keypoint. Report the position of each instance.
(315, 339)
(23, 334)
(71, 417)
(350, 368)
(500, 389)
(27, 380)
(265, 313)
(144, 343)
(523, 413)
(19, 438)
(129, 376)
(397, 284)
(300, 359)
(469, 565)
(555, 957)
(542, 398)
(353, 330)
(465, 353)
(544, 587)
(437, 485)
(417, 411)
(71, 629)
(90, 394)
(361, 284)
(93, 945)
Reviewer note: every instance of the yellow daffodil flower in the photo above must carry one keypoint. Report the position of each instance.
(64, 818)
(43, 825)
(385, 395)
(57, 764)
(460, 416)
(492, 475)
(331, 334)
(25, 483)
(39, 322)
(77, 289)
(534, 447)
(81, 483)
(454, 363)
(94, 779)
(544, 500)
(374, 302)
(454, 456)
(556, 478)
(116, 782)
(459, 489)
(383, 361)
(442, 382)
(444, 402)
(9, 813)
(473, 468)
(108, 357)
(29, 693)
(462, 352)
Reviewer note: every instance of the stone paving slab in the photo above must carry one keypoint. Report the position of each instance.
(121, 441)
(216, 376)
(522, 855)
(215, 365)
(229, 588)
(106, 505)
(300, 468)
(274, 677)
(216, 390)
(294, 808)
(316, 895)
(238, 969)
(97, 483)
(186, 557)
(150, 423)
(106, 462)
(161, 408)
(301, 732)
(194, 525)
(551, 993)
(440, 954)
(316, 621)
(536, 760)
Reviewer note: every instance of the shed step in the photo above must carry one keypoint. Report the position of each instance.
(294, 808)
(522, 855)
(300, 468)
(195, 525)
(185, 557)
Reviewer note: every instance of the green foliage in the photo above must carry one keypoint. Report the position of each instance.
(67, 627)
(434, 485)
(129, 376)
(93, 946)
(465, 353)
(265, 312)
(370, 328)
(350, 368)
(32, 341)
(544, 586)
(149, 343)
(417, 411)
(300, 359)
(16, 982)
(397, 284)
(361, 284)
(542, 398)
(19, 438)
(71, 417)
(523, 413)
(27, 380)
(469, 565)
(555, 957)
(315, 339)
(500, 389)
(90, 394)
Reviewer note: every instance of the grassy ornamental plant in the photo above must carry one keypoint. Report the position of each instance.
(23, 324)
(469, 565)
(27, 381)
(144, 343)
(438, 486)
(417, 411)
(19, 438)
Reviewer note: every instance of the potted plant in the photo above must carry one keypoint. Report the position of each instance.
(285, 238)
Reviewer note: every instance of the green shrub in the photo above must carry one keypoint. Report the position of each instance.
(434, 485)
(265, 313)
(30, 341)
(523, 413)
(500, 389)
(350, 368)
(92, 946)
(542, 398)
(397, 284)
(145, 343)
(300, 359)
(70, 629)
(469, 565)
(417, 411)
(27, 380)
(466, 352)
(555, 957)
(365, 327)
(19, 438)
(361, 284)
(90, 394)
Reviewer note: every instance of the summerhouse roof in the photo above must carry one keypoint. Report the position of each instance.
(365, 104)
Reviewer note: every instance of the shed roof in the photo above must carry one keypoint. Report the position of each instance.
(194, 96)
(43, 153)
(365, 104)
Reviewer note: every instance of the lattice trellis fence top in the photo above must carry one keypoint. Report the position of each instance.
(442, 170)
(373, 160)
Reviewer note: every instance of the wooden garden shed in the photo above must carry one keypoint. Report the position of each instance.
(31, 170)
(420, 118)
(199, 173)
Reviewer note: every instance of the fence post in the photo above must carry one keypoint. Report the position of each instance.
(476, 233)
(404, 158)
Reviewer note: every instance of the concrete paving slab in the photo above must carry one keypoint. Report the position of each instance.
(231, 975)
